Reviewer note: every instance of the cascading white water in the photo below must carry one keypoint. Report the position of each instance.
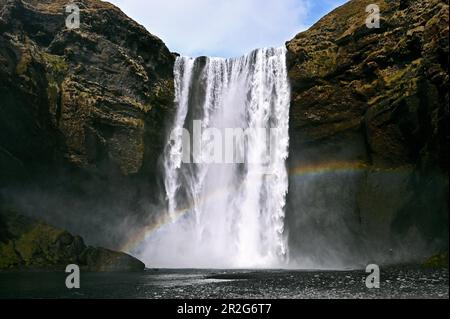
(226, 215)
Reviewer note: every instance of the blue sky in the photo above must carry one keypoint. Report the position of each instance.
(225, 28)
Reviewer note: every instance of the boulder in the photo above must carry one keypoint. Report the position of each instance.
(30, 244)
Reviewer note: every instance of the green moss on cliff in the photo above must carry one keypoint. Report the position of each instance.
(9, 258)
(55, 63)
(35, 246)
(437, 261)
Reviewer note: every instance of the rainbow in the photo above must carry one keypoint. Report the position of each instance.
(164, 219)
(328, 167)
(302, 170)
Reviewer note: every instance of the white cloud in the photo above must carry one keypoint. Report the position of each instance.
(218, 27)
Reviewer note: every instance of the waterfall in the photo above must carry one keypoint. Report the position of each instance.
(230, 213)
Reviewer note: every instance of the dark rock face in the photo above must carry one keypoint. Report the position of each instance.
(82, 113)
(29, 244)
(370, 112)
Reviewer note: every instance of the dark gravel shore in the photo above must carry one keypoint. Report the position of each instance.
(396, 282)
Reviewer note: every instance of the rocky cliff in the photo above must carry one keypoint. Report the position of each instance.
(82, 114)
(369, 127)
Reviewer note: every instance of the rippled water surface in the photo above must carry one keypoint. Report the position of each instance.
(405, 282)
